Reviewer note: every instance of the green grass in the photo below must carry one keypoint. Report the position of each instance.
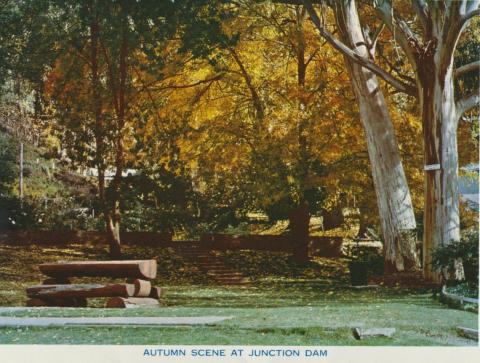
(309, 306)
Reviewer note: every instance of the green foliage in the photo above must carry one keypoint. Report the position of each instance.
(465, 289)
(369, 254)
(444, 257)
(8, 163)
(53, 198)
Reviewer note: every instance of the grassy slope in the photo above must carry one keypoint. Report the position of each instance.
(313, 306)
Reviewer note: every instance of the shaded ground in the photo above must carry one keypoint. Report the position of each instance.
(285, 306)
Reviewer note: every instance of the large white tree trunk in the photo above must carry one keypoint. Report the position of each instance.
(439, 116)
(393, 195)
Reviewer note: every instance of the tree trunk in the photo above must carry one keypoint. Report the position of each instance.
(299, 222)
(393, 196)
(113, 235)
(439, 118)
(119, 99)
(113, 230)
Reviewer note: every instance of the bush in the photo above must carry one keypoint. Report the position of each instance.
(372, 255)
(444, 257)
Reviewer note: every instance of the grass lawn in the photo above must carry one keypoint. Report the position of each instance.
(303, 306)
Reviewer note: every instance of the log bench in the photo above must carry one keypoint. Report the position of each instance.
(57, 289)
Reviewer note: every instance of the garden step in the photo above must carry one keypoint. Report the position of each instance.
(234, 282)
(195, 255)
(229, 278)
(223, 271)
(225, 275)
(213, 266)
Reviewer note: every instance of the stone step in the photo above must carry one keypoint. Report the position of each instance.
(212, 265)
(192, 255)
(229, 279)
(225, 276)
(233, 282)
(223, 271)
(220, 266)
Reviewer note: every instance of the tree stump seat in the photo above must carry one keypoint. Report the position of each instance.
(57, 289)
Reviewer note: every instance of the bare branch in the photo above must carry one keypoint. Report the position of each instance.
(467, 68)
(312, 55)
(423, 14)
(355, 57)
(471, 10)
(182, 86)
(400, 31)
(257, 103)
(373, 40)
(467, 103)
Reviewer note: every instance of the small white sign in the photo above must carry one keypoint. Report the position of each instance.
(432, 167)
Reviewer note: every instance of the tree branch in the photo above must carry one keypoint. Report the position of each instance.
(355, 57)
(400, 31)
(467, 103)
(374, 38)
(472, 10)
(467, 68)
(421, 10)
(181, 86)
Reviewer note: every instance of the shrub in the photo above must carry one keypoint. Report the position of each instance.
(466, 250)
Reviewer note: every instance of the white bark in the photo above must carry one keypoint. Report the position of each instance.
(440, 115)
(393, 195)
(441, 218)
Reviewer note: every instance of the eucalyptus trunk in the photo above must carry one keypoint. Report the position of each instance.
(394, 202)
(440, 120)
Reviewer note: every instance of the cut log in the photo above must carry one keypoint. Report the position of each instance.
(467, 333)
(36, 302)
(58, 281)
(132, 302)
(136, 269)
(142, 288)
(71, 302)
(156, 292)
(80, 290)
(361, 333)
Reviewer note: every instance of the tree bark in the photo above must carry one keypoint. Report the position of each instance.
(80, 290)
(299, 221)
(119, 98)
(299, 217)
(439, 118)
(393, 196)
(134, 269)
(432, 58)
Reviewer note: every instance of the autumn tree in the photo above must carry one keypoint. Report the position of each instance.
(111, 46)
(393, 195)
(266, 129)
